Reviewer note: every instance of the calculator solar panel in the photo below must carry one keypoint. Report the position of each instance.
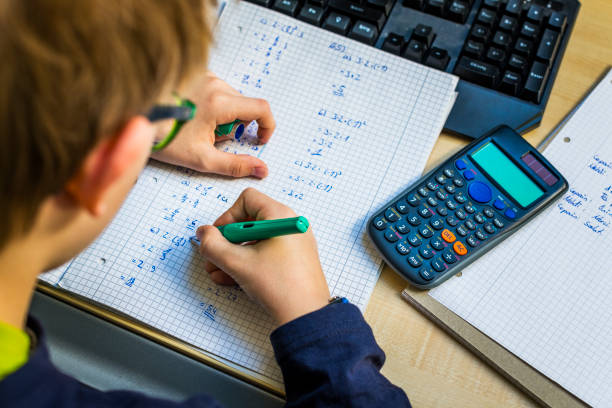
(506, 52)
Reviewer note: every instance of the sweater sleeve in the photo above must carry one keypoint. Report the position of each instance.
(330, 358)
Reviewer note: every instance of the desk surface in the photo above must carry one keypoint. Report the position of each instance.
(433, 369)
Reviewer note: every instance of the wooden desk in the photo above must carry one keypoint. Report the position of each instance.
(433, 369)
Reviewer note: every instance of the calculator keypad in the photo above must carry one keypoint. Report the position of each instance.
(442, 221)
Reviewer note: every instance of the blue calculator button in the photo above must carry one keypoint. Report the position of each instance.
(449, 173)
(380, 223)
(469, 175)
(426, 274)
(442, 211)
(489, 212)
(480, 235)
(413, 200)
(390, 235)
(414, 240)
(460, 164)
(479, 218)
(498, 223)
(437, 223)
(472, 241)
(450, 188)
(458, 182)
(469, 208)
(438, 264)
(402, 207)
(462, 231)
(414, 219)
(452, 221)
(402, 227)
(470, 224)
(423, 192)
(426, 252)
(414, 261)
(403, 248)
(449, 257)
(461, 214)
(436, 244)
(488, 227)
(424, 212)
(432, 201)
(425, 232)
(480, 192)
(441, 195)
(510, 214)
(451, 205)
(390, 215)
(460, 198)
(499, 204)
(440, 179)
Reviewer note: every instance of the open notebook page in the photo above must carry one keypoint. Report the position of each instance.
(544, 293)
(354, 125)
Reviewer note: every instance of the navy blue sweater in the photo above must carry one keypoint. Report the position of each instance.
(328, 358)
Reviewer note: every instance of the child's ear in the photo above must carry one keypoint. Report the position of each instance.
(110, 160)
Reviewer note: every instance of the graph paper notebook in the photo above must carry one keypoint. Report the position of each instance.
(354, 125)
(544, 294)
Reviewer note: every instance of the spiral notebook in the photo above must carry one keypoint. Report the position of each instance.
(354, 126)
(544, 293)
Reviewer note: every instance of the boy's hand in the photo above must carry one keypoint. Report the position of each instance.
(218, 103)
(282, 273)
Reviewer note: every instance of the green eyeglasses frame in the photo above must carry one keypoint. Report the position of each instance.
(183, 112)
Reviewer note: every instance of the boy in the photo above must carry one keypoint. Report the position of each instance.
(76, 80)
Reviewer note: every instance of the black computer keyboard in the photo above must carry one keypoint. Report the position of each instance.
(506, 52)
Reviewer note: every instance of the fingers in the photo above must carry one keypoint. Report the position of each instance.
(249, 109)
(219, 251)
(234, 165)
(254, 205)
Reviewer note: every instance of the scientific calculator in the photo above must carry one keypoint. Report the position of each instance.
(463, 208)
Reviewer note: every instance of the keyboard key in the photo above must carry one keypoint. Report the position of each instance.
(488, 227)
(423, 34)
(435, 7)
(460, 164)
(498, 223)
(391, 215)
(311, 14)
(547, 50)
(480, 235)
(448, 236)
(414, 240)
(437, 58)
(380, 223)
(438, 265)
(451, 220)
(486, 17)
(402, 207)
(523, 47)
(437, 223)
(473, 49)
(450, 188)
(479, 218)
(530, 30)
(414, 220)
(469, 175)
(425, 232)
(470, 225)
(424, 212)
(364, 32)
(518, 64)
(451, 205)
(442, 211)
(432, 201)
(431, 185)
(462, 231)
(510, 83)
(489, 212)
(480, 33)
(358, 12)
(499, 204)
(535, 14)
(414, 261)
(510, 214)
(480, 192)
(426, 274)
(423, 192)
(287, 6)
(536, 82)
(458, 11)
(403, 248)
(413, 200)
(459, 248)
(557, 21)
(477, 71)
(450, 173)
(458, 182)
(426, 252)
(414, 51)
(472, 241)
(460, 198)
(337, 23)
(384, 5)
(440, 179)
(402, 227)
(390, 235)
(393, 43)
(436, 244)
(502, 40)
(469, 208)
(496, 56)
(449, 257)
(508, 24)
(441, 195)
(513, 7)
(460, 214)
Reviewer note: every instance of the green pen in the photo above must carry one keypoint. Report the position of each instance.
(235, 129)
(257, 230)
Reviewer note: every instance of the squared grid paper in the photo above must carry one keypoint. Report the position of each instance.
(544, 293)
(373, 141)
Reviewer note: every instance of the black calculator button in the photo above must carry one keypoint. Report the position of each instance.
(458, 182)
(451, 205)
(402, 207)
(402, 227)
(414, 240)
(470, 225)
(432, 186)
(380, 223)
(460, 164)
(414, 219)
(442, 211)
(488, 227)
(413, 200)
(426, 252)
(460, 198)
(499, 204)
(438, 265)
(403, 248)
(450, 173)
(472, 241)
(510, 214)
(452, 221)
(480, 235)
(498, 223)
(426, 274)
(436, 243)
(424, 212)
(449, 257)
(480, 192)
(440, 179)
(391, 215)
(479, 218)
(390, 235)
(441, 195)
(450, 188)
(423, 191)
(469, 208)
(462, 231)
(414, 261)
(461, 214)
(489, 212)
(432, 201)
(425, 231)
(437, 223)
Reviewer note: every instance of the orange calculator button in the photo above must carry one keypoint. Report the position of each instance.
(459, 248)
(448, 236)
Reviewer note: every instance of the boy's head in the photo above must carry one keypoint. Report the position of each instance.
(75, 78)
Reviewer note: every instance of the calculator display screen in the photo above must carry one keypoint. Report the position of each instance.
(508, 175)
